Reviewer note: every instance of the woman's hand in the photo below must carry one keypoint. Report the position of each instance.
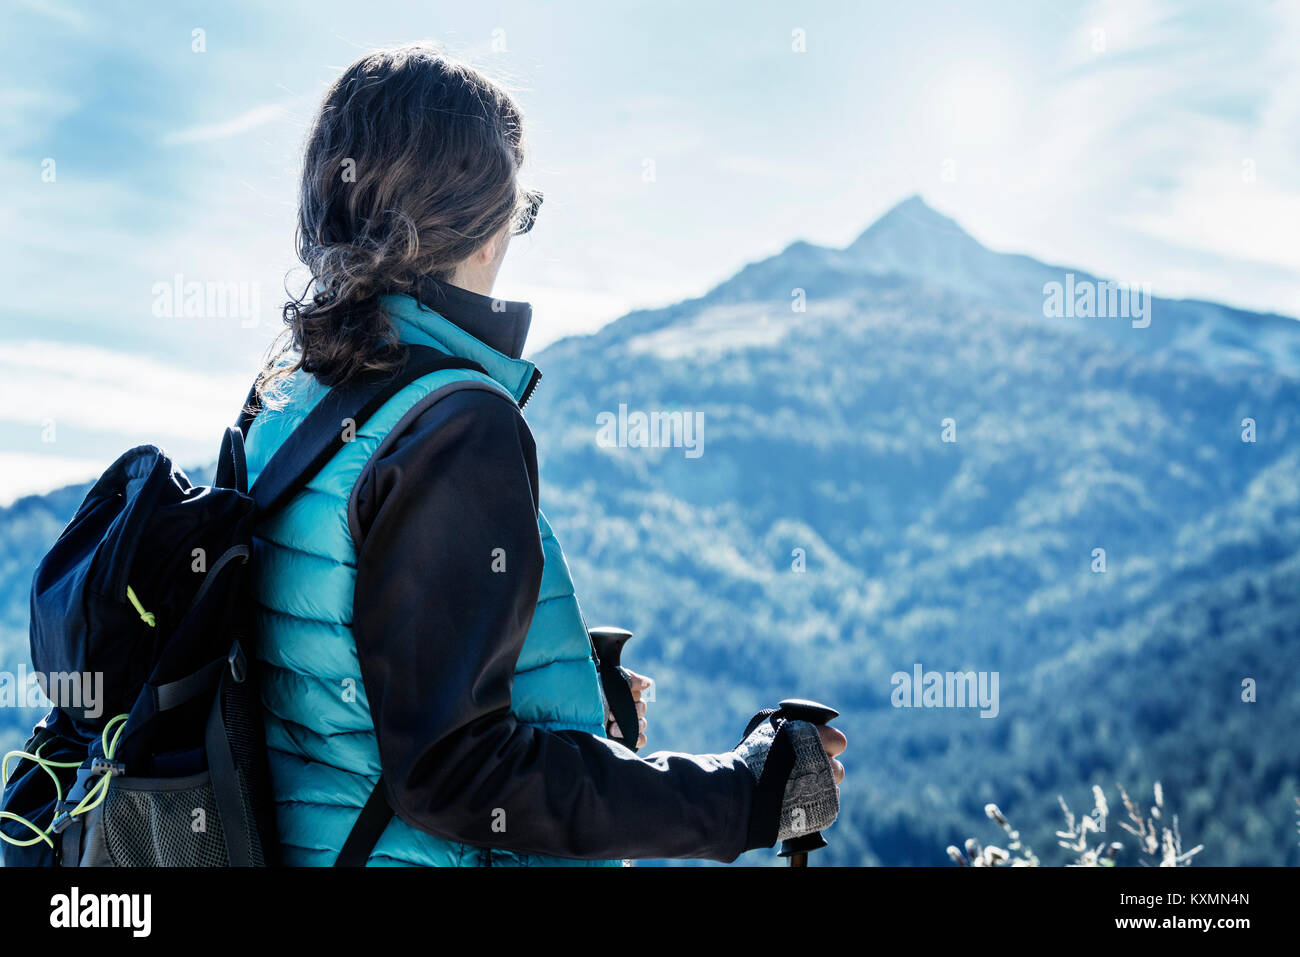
(638, 684)
(834, 742)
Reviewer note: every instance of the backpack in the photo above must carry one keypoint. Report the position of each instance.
(153, 754)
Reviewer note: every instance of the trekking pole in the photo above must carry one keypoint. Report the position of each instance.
(608, 642)
(814, 712)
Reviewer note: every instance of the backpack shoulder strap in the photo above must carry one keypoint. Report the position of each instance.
(367, 829)
(319, 436)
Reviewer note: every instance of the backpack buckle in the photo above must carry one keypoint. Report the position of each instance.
(86, 778)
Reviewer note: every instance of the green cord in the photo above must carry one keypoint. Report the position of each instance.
(103, 738)
(41, 835)
(100, 788)
(44, 763)
(98, 791)
(145, 616)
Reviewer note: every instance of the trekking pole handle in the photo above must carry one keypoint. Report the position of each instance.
(814, 712)
(608, 643)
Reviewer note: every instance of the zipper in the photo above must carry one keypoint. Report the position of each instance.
(532, 384)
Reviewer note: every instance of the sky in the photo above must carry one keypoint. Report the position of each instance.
(147, 145)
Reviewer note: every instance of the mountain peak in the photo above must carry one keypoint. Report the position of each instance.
(910, 222)
(915, 240)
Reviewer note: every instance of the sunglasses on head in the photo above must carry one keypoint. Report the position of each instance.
(526, 215)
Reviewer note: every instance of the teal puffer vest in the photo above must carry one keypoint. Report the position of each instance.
(323, 754)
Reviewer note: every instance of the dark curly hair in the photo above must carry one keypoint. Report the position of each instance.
(410, 167)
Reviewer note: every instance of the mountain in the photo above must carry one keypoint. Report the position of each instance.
(912, 243)
(908, 463)
(914, 240)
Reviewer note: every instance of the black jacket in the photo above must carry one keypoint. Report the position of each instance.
(438, 635)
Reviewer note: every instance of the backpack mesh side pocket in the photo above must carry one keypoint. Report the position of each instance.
(156, 822)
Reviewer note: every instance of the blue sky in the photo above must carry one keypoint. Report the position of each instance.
(1151, 141)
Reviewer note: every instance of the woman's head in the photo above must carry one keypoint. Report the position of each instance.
(410, 170)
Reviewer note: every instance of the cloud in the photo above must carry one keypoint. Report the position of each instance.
(1218, 163)
(23, 473)
(249, 120)
(102, 390)
(27, 116)
(57, 11)
(1159, 141)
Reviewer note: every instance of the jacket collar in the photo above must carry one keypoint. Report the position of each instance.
(499, 323)
(455, 320)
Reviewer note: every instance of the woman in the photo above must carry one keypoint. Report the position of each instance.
(423, 654)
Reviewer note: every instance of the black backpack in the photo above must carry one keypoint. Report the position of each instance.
(141, 612)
